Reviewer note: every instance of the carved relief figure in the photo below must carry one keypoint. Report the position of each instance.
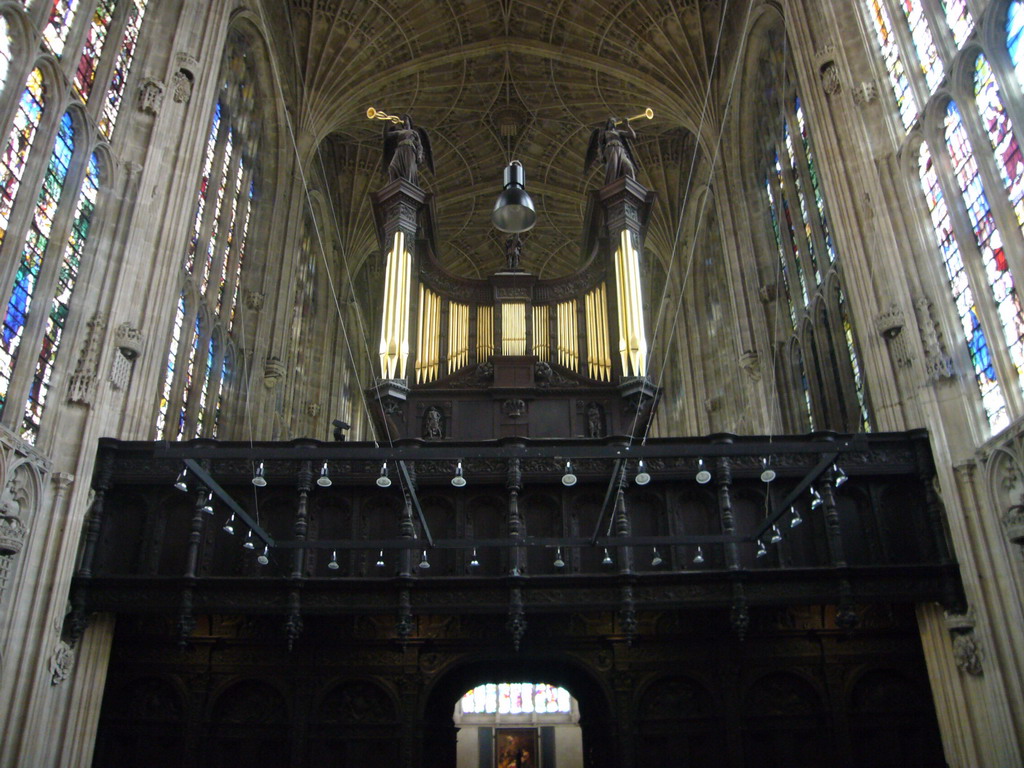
(611, 145)
(433, 423)
(595, 420)
(406, 147)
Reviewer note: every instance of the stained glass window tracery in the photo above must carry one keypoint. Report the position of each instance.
(805, 217)
(987, 236)
(905, 100)
(927, 53)
(959, 20)
(1014, 28)
(92, 49)
(33, 251)
(61, 303)
(172, 354)
(214, 257)
(122, 65)
(62, 16)
(19, 143)
(1000, 133)
(5, 51)
(204, 184)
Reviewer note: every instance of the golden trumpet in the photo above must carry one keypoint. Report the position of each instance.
(648, 113)
(376, 114)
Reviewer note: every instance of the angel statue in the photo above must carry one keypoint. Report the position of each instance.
(611, 145)
(405, 148)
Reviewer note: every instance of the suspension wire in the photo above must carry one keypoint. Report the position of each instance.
(679, 219)
(693, 244)
(275, 69)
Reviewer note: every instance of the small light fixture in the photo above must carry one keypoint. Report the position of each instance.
(703, 476)
(263, 559)
(559, 562)
(258, 479)
(767, 473)
(656, 560)
(458, 480)
(699, 557)
(383, 481)
(380, 559)
(795, 520)
(182, 482)
(607, 557)
(324, 481)
(424, 563)
(207, 507)
(816, 500)
(514, 210)
(249, 543)
(474, 561)
(761, 551)
(229, 526)
(568, 478)
(776, 535)
(642, 476)
(333, 565)
(839, 476)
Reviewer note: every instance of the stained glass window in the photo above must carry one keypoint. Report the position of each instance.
(851, 351)
(927, 53)
(190, 380)
(34, 249)
(12, 163)
(172, 354)
(123, 63)
(61, 300)
(204, 183)
(893, 63)
(55, 34)
(1014, 27)
(1000, 133)
(802, 201)
(95, 38)
(241, 253)
(787, 217)
(204, 392)
(963, 298)
(959, 20)
(812, 170)
(5, 51)
(222, 188)
(987, 236)
(516, 699)
(783, 267)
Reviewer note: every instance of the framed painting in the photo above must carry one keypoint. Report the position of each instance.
(516, 748)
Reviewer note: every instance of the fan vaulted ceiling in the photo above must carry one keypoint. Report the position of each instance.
(492, 81)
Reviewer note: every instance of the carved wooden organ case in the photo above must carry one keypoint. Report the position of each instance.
(513, 355)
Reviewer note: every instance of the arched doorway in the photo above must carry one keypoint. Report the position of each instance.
(598, 735)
